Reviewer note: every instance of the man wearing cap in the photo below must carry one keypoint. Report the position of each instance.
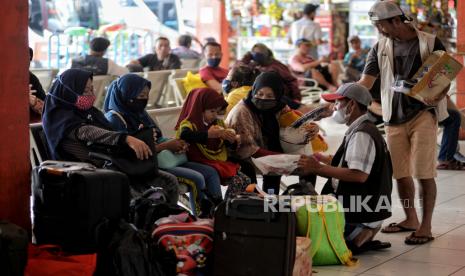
(95, 62)
(411, 125)
(302, 64)
(307, 28)
(360, 171)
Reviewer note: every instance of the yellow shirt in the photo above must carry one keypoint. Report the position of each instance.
(236, 96)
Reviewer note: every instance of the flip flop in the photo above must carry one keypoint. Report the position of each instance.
(399, 227)
(413, 239)
(369, 246)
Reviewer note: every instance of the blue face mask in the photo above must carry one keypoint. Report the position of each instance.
(226, 84)
(213, 62)
(259, 58)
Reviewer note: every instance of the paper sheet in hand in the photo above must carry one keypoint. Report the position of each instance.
(280, 164)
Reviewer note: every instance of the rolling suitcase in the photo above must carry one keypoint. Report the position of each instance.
(70, 198)
(249, 241)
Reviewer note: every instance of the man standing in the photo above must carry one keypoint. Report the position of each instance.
(160, 60)
(360, 171)
(411, 125)
(95, 62)
(308, 29)
(184, 51)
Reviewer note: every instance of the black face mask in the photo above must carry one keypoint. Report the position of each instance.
(227, 87)
(137, 105)
(264, 105)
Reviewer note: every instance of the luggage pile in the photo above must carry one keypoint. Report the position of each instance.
(86, 224)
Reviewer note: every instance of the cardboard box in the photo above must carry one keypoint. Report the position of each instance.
(434, 75)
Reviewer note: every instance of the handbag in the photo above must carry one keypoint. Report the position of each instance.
(124, 159)
(168, 160)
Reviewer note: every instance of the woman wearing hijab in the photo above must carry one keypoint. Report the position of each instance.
(202, 127)
(71, 123)
(256, 120)
(263, 59)
(125, 104)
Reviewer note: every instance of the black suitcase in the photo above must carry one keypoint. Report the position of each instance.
(13, 249)
(70, 198)
(249, 241)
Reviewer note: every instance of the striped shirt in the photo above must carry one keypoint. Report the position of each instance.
(360, 151)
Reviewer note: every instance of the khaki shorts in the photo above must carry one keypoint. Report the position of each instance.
(413, 147)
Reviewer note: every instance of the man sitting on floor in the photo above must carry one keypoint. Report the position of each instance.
(360, 173)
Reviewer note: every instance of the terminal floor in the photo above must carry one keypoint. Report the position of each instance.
(444, 256)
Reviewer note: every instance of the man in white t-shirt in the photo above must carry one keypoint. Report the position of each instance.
(308, 29)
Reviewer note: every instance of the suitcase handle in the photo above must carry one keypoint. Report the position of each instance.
(248, 209)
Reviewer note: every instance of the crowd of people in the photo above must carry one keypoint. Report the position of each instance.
(238, 116)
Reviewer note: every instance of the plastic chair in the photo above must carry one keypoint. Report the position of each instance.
(101, 84)
(190, 63)
(45, 76)
(166, 119)
(310, 92)
(38, 148)
(158, 91)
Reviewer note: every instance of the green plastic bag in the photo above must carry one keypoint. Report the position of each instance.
(323, 221)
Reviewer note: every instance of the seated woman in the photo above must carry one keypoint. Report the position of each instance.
(304, 65)
(238, 84)
(208, 138)
(262, 58)
(125, 110)
(71, 123)
(256, 119)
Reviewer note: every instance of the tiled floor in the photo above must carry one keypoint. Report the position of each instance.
(444, 256)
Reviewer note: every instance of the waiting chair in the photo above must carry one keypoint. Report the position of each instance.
(166, 119)
(190, 63)
(45, 76)
(101, 84)
(38, 148)
(158, 91)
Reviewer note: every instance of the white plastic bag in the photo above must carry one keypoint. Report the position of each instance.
(280, 164)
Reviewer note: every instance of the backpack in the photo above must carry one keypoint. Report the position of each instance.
(151, 206)
(191, 239)
(125, 251)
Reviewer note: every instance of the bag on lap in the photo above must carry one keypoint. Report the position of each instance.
(125, 160)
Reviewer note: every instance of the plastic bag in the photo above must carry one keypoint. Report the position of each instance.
(280, 164)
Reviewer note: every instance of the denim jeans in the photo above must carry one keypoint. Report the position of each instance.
(212, 179)
(195, 177)
(450, 136)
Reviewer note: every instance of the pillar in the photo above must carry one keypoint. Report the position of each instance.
(14, 113)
